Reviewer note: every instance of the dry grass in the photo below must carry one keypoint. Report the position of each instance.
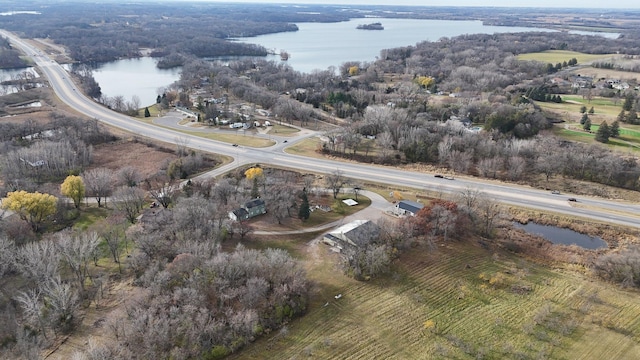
(608, 74)
(559, 56)
(438, 305)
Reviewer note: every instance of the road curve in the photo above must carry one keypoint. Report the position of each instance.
(617, 212)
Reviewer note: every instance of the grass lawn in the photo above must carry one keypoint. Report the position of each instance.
(89, 215)
(249, 140)
(458, 301)
(629, 140)
(558, 56)
(283, 130)
(306, 147)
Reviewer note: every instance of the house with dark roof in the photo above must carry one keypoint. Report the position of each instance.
(407, 208)
(248, 210)
(354, 234)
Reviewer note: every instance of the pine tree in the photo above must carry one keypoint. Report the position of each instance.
(622, 117)
(632, 117)
(583, 109)
(304, 212)
(584, 119)
(587, 124)
(146, 112)
(603, 133)
(614, 129)
(628, 102)
(592, 110)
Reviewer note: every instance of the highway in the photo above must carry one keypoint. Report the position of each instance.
(618, 212)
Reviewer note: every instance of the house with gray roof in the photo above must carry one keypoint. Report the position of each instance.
(407, 208)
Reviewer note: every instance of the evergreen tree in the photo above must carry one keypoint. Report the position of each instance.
(628, 102)
(603, 133)
(584, 119)
(632, 117)
(304, 212)
(592, 110)
(583, 109)
(158, 99)
(622, 116)
(587, 124)
(255, 192)
(146, 112)
(614, 129)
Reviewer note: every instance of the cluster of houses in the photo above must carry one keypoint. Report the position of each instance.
(587, 82)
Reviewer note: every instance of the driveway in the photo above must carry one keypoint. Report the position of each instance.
(376, 210)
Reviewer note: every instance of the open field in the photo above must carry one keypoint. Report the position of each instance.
(608, 74)
(558, 56)
(603, 107)
(459, 301)
(233, 138)
(624, 143)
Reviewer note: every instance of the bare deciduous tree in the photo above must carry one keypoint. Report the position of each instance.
(32, 308)
(129, 176)
(162, 188)
(77, 250)
(98, 183)
(182, 145)
(130, 201)
(62, 302)
(335, 181)
(39, 260)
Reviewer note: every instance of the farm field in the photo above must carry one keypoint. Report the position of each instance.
(558, 56)
(459, 301)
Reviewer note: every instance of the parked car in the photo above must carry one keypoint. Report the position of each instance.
(572, 199)
(438, 176)
(555, 192)
(234, 145)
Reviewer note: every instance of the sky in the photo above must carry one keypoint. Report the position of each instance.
(618, 4)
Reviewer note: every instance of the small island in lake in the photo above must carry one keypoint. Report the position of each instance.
(372, 26)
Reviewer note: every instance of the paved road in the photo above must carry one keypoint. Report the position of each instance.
(618, 212)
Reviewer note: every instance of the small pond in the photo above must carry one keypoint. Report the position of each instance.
(563, 236)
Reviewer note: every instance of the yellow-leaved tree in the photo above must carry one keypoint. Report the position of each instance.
(73, 188)
(353, 70)
(252, 173)
(425, 81)
(31, 207)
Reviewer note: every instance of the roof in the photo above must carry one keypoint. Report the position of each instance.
(240, 213)
(254, 203)
(409, 205)
(357, 232)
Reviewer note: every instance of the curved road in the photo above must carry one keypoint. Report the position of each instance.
(610, 211)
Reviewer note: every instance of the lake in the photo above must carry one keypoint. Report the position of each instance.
(131, 77)
(314, 46)
(321, 45)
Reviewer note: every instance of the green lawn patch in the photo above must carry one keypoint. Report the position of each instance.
(89, 215)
